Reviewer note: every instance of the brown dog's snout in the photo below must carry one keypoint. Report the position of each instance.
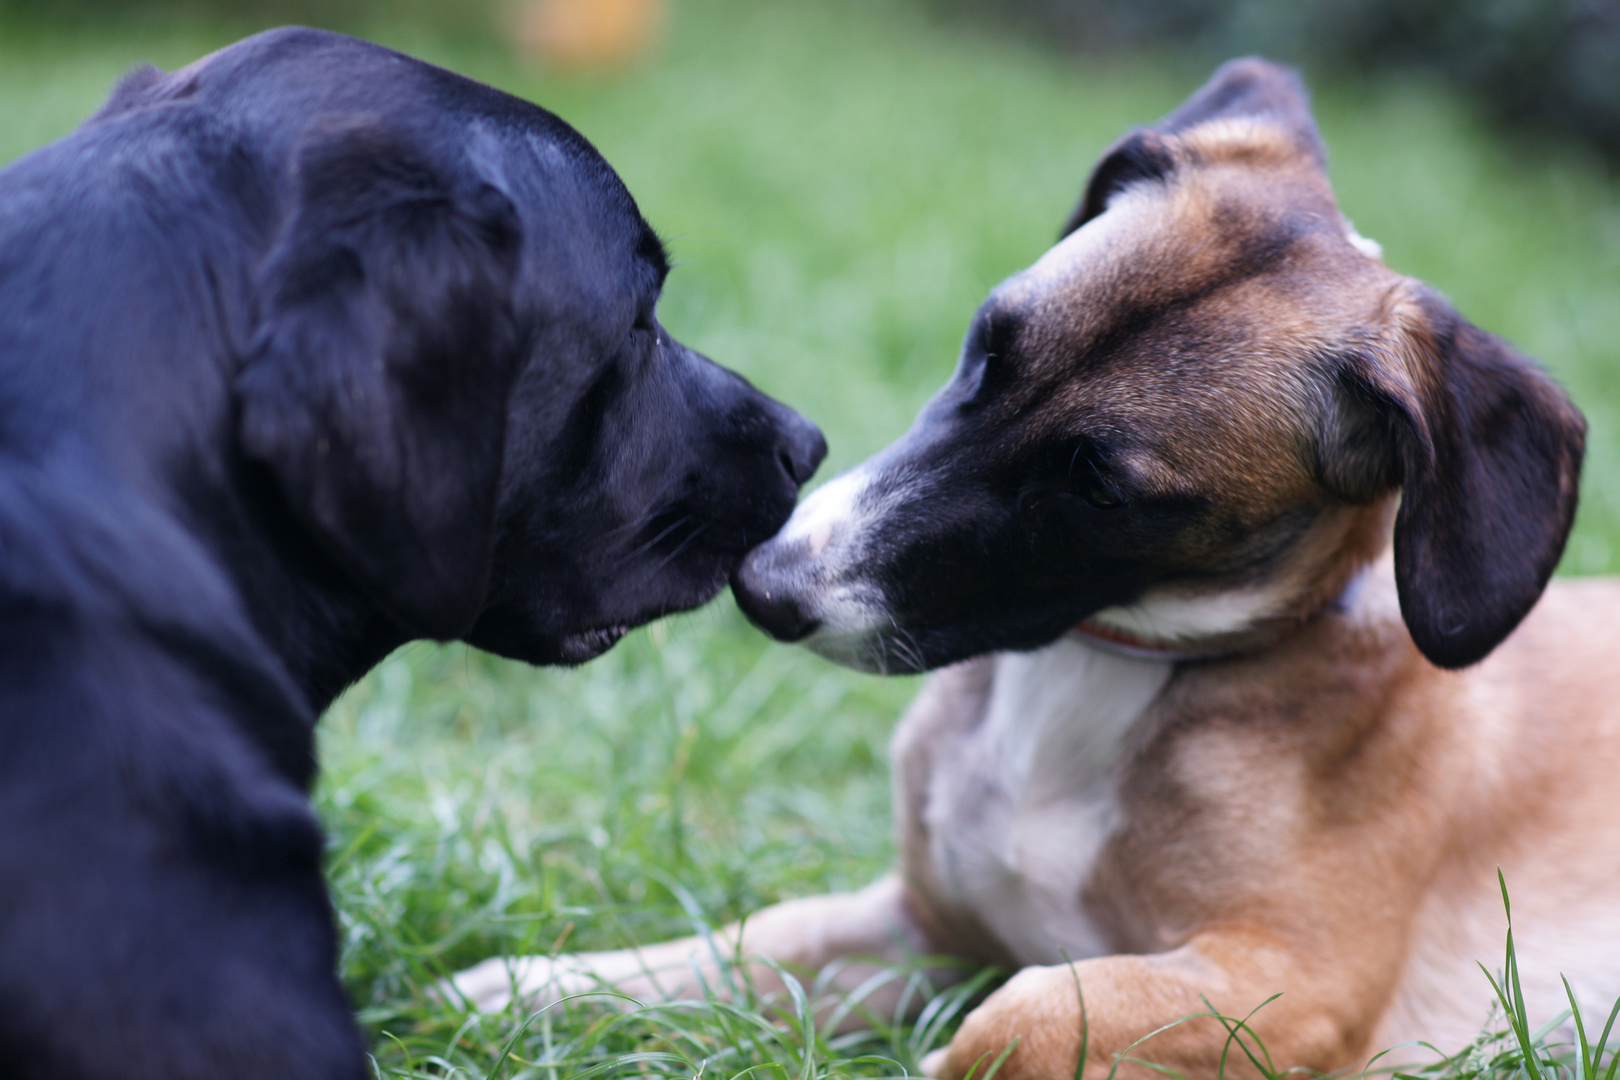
(763, 586)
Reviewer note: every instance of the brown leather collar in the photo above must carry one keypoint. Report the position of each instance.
(1112, 639)
(1125, 643)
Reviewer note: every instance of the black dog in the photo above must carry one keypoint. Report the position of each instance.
(306, 350)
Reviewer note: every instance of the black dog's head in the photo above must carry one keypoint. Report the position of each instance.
(451, 362)
(1185, 425)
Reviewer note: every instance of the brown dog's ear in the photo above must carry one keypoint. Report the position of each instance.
(1140, 155)
(1487, 451)
(376, 386)
(1249, 87)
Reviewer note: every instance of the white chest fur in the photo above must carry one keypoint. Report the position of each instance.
(1020, 807)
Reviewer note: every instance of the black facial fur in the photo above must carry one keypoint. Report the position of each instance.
(997, 545)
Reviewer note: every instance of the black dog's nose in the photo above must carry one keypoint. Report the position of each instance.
(800, 448)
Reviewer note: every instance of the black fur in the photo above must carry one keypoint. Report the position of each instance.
(306, 350)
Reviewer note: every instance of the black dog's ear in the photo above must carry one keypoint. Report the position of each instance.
(1487, 450)
(377, 381)
(1239, 88)
(128, 92)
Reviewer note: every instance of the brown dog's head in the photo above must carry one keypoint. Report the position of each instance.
(1187, 421)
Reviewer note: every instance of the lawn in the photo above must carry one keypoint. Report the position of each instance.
(840, 184)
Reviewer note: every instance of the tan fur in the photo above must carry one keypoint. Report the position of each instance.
(1319, 814)
(1324, 820)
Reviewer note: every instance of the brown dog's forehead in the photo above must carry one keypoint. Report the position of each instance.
(1191, 325)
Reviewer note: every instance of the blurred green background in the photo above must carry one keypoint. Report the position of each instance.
(840, 183)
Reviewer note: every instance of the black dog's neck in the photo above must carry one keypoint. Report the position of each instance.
(327, 641)
(316, 623)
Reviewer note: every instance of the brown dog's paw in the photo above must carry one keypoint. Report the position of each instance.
(1039, 1011)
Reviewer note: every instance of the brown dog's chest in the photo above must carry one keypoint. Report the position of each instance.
(1019, 806)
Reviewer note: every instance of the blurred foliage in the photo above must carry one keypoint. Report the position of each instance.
(449, 20)
(1546, 65)
(1542, 64)
(250, 11)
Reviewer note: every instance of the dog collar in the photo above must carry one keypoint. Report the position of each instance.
(1124, 643)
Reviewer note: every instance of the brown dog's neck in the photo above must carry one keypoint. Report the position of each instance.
(1180, 650)
(1327, 576)
(1139, 647)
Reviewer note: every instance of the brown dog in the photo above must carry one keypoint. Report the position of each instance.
(1234, 519)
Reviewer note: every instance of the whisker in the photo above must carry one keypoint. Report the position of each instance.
(682, 546)
(883, 652)
(661, 505)
(643, 548)
(910, 650)
(906, 645)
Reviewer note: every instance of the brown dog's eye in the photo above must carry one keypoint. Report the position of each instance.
(1101, 496)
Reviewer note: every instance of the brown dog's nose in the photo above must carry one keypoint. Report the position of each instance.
(768, 600)
(800, 447)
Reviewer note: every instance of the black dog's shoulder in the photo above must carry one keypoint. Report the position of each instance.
(92, 571)
(147, 844)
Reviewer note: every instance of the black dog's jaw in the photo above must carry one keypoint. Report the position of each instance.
(306, 351)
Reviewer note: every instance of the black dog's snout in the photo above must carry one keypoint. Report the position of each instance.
(800, 446)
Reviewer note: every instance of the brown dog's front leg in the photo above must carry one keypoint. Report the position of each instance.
(1038, 1013)
(869, 930)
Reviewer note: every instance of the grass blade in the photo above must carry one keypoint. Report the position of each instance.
(1603, 1043)
(1085, 1023)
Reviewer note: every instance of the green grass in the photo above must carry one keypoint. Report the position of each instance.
(840, 183)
